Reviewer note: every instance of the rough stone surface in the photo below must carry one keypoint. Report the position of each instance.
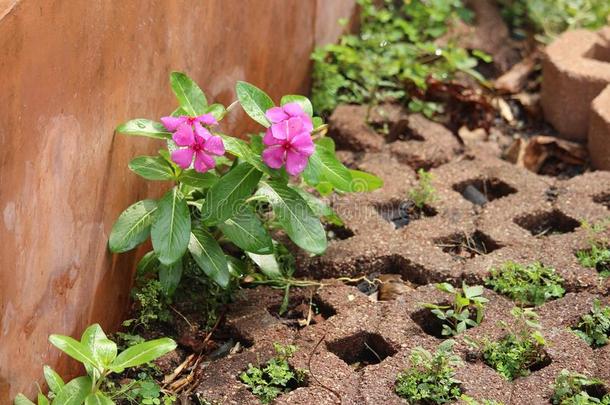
(599, 130)
(575, 71)
(527, 218)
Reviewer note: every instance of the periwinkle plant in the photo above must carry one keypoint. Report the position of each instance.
(220, 180)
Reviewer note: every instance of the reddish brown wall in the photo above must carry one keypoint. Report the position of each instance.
(70, 71)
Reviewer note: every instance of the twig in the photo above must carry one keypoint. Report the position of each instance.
(182, 316)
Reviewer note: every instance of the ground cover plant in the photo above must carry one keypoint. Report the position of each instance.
(424, 192)
(520, 350)
(465, 311)
(578, 389)
(594, 327)
(100, 358)
(527, 285)
(392, 57)
(210, 210)
(275, 377)
(430, 378)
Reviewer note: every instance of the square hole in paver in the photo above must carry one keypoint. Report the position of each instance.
(401, 213)
(402, 132)
(302, 312)
(603, 199)
(462, 246)
(483, 190)
(599, 52)
(338, 232)
(361, 350)
(547, 223)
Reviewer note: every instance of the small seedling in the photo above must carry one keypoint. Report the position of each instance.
(471, 401)
(466, 310)
(578, 389)
(530, 285)
(275, 377)
(99, 356)
(431, 377)
(594, 327)
(521, 349)
(596, 257)
(424, 193)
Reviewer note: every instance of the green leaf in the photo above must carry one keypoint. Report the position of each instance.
(132, 227)
(74, 349)
(152, 168)
(242, 150)
(42, 400)
(199, 180)
(247, 231)
(189, 95)
(144, 127)
(267, 264)
(54, 381)
(254, 101)
(171, 228)
(169, 277)
(472, 291)
(74, 392)
(148, 263)
(217, 110)
(21, 399)
(363, 181)
(319, 208)
(104, 350)
(324, 166)
(98, 398)
(142, 353)
(225, 197)
(209, 256)
(295, 216)
(301, 100)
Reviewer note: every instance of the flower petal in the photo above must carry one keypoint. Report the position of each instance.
(295, 162)
(274, 156)
(293, 109)
(207, 119)
(303, 144)
(276, 114)
(269, 139)
(183, 157)
(171, 123)
(203, 162)
(184, 135)
(280, 130)
(202, 132)
(214, 146)
(295, 126)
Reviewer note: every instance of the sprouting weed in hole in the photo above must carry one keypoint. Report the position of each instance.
(275, 377)
(578, 389)
(594, 327)
(424, 192)
(208, 215)
(471, 401)
(100, 358)
(597, 255)
(528, 285)
(465, 311)
(430, 378)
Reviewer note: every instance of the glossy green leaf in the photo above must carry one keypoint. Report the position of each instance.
(267, 264)
(171, 228)
(217, 110)
(319, 207)
(330, 169)
(74, 349)
(254, 101)
(74, 392)
(241, 149)
(189, 95)
(142, 353)
(144, 127)
(225, 197)
(247, 231)
(42, 400)
(152, 168)
(147, 264)
(54, 381)
(169, 277)
(132, 227)
(199, 180)
(104, 350)
(301, 100)
(295, 216)
(364, 182)
(98, 398)
(209, 256)
(21, 399)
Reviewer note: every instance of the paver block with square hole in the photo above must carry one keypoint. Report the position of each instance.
(575, 71)
(599, 129)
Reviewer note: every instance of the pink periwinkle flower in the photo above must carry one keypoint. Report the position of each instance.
(195, 141)
(288, 140)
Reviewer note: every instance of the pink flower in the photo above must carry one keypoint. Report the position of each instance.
(196, 140)
(288, 140)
